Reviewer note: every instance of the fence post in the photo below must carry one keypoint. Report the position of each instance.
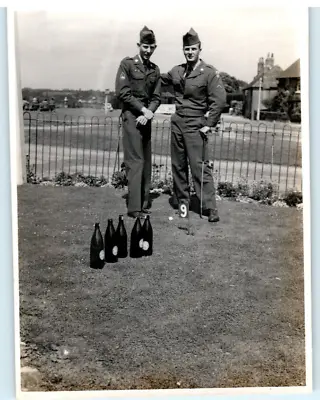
(273, 134)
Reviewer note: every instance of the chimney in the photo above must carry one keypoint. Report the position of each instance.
(269, 61)
(260, 65)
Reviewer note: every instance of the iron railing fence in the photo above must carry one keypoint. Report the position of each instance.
(93, 147)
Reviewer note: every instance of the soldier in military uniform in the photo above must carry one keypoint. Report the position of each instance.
(198, 90)
(138, 87)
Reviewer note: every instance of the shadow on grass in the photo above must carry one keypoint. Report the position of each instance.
(152, 197)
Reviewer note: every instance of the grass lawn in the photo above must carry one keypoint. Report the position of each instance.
(224, 308)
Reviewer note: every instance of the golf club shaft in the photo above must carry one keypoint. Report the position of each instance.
(202, 171)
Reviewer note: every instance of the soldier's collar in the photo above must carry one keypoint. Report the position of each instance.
(138, 60)
(199, 68)
(197, 64)
(201, 65)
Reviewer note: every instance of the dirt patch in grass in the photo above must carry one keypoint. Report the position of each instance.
(224, 308)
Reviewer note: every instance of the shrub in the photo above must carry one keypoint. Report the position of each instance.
(31, 175)
(92, 180)
(262, 191)
(243, 188)
(156, 181)
(226, 189)
(63, 179)
(119, 178)
(293, 198)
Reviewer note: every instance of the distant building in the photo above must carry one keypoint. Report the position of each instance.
(289, 79)
(267, 77)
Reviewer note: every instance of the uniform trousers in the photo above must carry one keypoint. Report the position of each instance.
(137, 160)
(187, 144)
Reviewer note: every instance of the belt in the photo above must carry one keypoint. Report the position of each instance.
(190, 113)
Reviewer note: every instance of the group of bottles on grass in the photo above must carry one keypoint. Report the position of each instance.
(115, 243)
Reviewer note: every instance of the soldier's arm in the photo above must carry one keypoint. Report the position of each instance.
(123, 89)
(217, 98)
(156, 96)
(166, 79)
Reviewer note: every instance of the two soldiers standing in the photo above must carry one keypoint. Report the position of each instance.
(198, 89)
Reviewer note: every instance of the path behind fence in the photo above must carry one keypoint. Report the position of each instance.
(94, 147)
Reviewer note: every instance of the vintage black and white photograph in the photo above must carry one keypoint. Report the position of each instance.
(160, 198)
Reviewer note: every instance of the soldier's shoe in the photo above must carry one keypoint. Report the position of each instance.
(213, 216)
(135, 214)
(146, 207)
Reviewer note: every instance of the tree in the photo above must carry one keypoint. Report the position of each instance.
(285, 101)
(231, 83)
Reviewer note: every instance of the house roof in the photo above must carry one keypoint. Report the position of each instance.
(269, 78)
(293, 71)
(255, 80)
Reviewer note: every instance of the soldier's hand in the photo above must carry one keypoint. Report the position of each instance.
(216, 130)
(148, 114)
(142, 120)
(205, 130)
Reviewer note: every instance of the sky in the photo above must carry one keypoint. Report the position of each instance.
(83, 49)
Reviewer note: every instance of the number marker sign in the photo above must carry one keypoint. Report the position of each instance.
(184, 209)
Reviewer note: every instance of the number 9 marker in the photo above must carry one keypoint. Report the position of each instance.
(184, 210)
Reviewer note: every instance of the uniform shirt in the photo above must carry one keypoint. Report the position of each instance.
(137, 85)
(200, 92)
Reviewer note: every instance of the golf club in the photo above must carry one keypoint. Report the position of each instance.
(204, 137)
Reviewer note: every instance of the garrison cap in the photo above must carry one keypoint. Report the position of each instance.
(190, 38)
(147, 36)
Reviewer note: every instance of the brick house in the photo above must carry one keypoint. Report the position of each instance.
(267, 77)
(289, 79)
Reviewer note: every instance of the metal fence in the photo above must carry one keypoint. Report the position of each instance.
(249, 151)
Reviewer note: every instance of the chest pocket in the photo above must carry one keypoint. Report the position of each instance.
(196, 88)
(137, 81)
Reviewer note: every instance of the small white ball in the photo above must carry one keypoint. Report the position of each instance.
(170, 218)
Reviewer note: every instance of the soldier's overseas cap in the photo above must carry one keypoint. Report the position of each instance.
(190, 38)
(147, 36)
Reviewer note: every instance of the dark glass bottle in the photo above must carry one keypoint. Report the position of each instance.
(136, 240)
(147, 235)
(110, 245)
(122, 238)
(96, 248)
